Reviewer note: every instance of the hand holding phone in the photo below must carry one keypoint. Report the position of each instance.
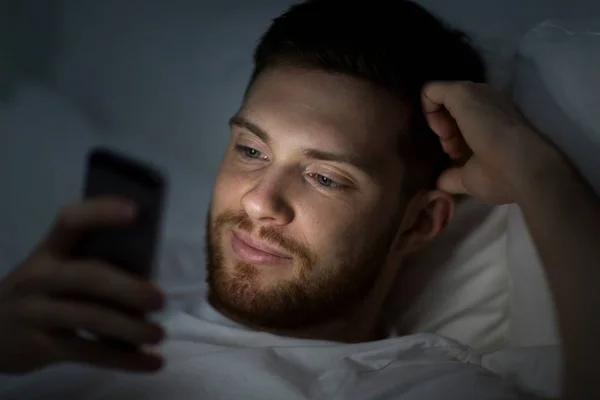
(131, 248)
(74, 280)
(50, 297)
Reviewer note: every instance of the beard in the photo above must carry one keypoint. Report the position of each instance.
(311, 297)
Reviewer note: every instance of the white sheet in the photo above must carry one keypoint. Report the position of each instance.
(210, 357)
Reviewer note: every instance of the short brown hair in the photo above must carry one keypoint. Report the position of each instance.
(394, 44)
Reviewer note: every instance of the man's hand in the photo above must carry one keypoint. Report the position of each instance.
(495, 148)
(47, 299)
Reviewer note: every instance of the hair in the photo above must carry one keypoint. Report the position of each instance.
(394, 44)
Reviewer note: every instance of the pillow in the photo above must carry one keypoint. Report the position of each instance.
(458, 286)
(558, 88)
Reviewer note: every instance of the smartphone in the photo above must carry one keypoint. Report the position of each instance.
(133, 247)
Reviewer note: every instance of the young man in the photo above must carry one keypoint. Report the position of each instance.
(331, 168)
(339, 165)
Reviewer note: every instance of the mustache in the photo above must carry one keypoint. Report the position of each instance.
(269, 234)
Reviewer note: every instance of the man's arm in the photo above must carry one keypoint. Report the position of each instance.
(509, 161)
(563, 216)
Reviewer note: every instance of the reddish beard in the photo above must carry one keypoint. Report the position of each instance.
(309, 298)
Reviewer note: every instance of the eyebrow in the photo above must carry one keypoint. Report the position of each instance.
(313, 154)
(236, 120)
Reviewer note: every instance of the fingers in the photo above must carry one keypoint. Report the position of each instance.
(451, 181)
(441, 122)
(451, 139)
(99, 281)
(69, 315)
(438, 100)
(79, 217)
(455, 148)
(437, 96)
(75, 349)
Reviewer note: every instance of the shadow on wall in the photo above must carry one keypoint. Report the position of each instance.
(29, 32)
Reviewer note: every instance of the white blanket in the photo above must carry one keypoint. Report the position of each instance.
(209, 357)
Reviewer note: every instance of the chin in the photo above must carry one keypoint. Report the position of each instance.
(258, 278)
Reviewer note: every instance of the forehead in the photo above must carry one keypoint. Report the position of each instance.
(327, 110)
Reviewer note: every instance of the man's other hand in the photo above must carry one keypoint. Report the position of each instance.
(496, 150)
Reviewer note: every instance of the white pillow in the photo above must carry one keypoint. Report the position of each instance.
(458, 286)
(558, 87)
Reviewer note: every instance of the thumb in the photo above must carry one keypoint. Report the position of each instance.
(451, 181)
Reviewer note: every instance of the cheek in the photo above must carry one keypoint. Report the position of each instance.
(331, 231)
(342, 234)
(228, 190)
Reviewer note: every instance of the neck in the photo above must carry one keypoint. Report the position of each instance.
(362, 323)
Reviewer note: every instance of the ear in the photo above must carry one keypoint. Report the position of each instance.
(425, 218)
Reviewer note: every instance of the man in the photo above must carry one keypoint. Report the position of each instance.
(339, 165)
(331, 166)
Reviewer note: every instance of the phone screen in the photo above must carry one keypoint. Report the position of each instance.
(133, 247)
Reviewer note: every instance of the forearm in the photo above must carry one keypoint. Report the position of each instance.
(563, 216)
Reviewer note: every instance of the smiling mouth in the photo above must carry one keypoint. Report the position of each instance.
(251, 251)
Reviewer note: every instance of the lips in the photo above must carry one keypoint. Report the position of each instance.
(250, 250)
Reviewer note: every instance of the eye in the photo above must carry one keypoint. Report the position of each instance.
(249, 152)
(326, 182)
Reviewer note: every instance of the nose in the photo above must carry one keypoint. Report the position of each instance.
(266, 202)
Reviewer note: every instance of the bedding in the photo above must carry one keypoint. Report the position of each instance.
(202, 345)
(459, 287)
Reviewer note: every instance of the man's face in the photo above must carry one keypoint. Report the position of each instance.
(307, 200)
